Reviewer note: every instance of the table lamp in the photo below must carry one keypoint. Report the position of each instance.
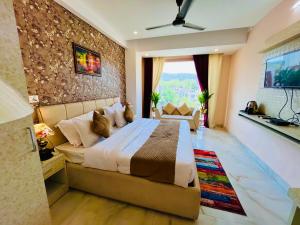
(12, 105)
(42, 131)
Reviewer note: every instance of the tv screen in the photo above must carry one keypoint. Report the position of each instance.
(283, 71)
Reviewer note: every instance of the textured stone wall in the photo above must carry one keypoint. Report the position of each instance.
(46, 32)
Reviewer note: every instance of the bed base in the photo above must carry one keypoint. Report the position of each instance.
(184, 202)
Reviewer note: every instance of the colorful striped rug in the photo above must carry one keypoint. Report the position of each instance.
(216, 189)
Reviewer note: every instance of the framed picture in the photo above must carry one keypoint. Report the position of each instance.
(86, 61)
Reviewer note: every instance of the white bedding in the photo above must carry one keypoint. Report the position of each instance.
(76, 154)
(115, 152)
(185, 162)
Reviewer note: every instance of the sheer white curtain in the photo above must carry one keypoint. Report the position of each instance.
(158, 66)
(214, 76)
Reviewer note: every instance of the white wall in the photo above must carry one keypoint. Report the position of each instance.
(280, 154)
(133, 62)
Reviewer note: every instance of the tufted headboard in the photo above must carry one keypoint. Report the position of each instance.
(51, 115)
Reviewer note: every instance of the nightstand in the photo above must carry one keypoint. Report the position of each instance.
(55, 176)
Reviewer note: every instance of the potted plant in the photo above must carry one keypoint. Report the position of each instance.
(155, 96)
(203, 98)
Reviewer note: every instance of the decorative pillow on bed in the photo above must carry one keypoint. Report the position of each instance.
(184, 110)
(169, 108)
(101, 125)
(84, 129)
(86, 116)
(119, 118)
(109, 111)
(100, 110)
(117, 106)
(128, 113)
(68, 130)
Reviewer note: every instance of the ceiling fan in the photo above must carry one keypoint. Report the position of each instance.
(179, 20)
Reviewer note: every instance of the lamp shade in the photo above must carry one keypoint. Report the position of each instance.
(12, 104)
(42, 130)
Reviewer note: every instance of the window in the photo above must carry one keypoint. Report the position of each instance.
(178, 84)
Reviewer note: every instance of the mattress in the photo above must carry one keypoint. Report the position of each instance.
(76, 154)
(115, 152)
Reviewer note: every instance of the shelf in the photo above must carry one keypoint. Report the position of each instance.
(55, 190)
(290, 33)
(290, 132)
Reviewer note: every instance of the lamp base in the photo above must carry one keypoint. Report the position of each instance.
(45, 154)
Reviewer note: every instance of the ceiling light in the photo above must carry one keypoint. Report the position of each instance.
(135, 32)
(296, 5)
(146, 54)
(216, 50)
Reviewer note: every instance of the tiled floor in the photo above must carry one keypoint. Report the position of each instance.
(263, 200)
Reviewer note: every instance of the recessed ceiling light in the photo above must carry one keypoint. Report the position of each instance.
(216, 49)
(135, 32)
(296, 5)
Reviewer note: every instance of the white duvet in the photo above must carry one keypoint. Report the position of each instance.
(115, 152)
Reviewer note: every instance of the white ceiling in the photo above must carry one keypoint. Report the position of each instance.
(122, 17)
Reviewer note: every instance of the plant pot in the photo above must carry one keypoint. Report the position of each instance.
(203, 110)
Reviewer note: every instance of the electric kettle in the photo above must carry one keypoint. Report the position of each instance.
(251, 107)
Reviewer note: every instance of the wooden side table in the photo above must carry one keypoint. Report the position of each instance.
(55, 176)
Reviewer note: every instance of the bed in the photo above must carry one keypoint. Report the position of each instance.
(96, 170)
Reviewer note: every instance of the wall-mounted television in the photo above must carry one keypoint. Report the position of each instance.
(283, 71)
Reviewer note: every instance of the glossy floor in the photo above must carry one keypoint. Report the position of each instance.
(263, 200)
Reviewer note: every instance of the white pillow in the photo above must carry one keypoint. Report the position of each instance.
(86, 116)
(109, 112)
(68, 130)
(84, 129)
(117, 106)
(119, 118)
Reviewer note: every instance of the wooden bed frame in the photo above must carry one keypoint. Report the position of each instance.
(167, 198)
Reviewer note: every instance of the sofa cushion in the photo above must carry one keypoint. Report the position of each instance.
(191, 112)
(176, 117)
(169, 108)
(184, 110)
(176, 112)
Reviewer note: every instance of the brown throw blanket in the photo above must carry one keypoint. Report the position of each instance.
(156, 159)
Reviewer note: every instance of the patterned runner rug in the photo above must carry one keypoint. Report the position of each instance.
(216, 189)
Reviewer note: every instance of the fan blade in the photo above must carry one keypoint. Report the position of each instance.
(192, 26)
(184, 9)
(156, 27)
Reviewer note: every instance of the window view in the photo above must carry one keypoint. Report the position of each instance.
(179, 84)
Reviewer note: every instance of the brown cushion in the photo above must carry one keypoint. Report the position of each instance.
(169, 109)
(176, 112)
(101, 125)
(184, 110)
(101, 111)
(128, 113)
